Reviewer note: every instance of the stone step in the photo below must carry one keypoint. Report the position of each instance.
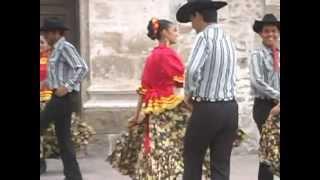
(105, 94)
(109, 110)
(108, 119)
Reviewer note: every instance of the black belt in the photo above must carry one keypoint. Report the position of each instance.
(202, 99)
(54, 91)
(267, 100)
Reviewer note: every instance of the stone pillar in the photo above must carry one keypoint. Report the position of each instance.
(84, 44)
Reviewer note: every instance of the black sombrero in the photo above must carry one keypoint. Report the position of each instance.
(184, 12)
(268, 19)
(53, 24)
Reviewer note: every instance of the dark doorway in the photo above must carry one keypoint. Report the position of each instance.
(68, 10)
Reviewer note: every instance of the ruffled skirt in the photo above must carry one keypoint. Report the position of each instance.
(153, 149)
(81, 132)
(269, 151)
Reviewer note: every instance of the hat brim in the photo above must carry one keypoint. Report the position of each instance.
(52, 29)
(184, 12)
(258, 25)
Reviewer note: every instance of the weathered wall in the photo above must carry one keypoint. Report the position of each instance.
(119, 45)
(118, 40)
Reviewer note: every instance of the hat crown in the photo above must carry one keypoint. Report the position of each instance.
(53, 23)
(184, 12)
(269, 18)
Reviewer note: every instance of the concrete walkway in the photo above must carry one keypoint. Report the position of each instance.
(244, 167)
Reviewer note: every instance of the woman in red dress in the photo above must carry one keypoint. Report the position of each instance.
(45, 93)
(152, 149)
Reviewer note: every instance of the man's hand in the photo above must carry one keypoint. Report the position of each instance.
(61, 91)
(135, 120)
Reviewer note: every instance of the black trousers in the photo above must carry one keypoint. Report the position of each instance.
(214, 126)
(59, 110)
(261, 111)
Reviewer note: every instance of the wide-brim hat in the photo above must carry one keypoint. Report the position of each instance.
(268, 19)
(53, 24)
(184, 12)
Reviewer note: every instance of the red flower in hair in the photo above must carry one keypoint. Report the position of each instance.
(155, 25)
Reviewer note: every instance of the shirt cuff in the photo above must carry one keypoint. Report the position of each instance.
(187, 92)
(68, 87)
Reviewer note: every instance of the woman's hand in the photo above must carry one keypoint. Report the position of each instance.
(138, 116)
(274, 111)
(188, 101)
(135, 120)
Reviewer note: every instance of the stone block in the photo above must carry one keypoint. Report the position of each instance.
(108, 120)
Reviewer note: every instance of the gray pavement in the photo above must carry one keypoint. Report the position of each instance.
(243, 167)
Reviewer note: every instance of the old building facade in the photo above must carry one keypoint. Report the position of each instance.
(111, 36)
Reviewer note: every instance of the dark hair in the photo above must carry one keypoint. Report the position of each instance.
(61, 32)
(155, 33)
(209, 15)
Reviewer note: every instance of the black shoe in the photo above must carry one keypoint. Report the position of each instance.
(74, 178)
(43, 166)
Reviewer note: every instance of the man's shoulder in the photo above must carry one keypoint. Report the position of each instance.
(201, 36)
(68, 47)
(67, 44)
(216, 31)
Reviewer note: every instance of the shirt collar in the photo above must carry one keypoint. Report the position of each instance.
(266, 49)
(212, 25)
(59, 42)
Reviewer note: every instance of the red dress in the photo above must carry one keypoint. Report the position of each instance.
(43, 65)
(45, 94)
(154, 148)
(163, 72)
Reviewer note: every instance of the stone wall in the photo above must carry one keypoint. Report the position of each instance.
(119, 46)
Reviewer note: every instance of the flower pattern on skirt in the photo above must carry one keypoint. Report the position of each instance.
(165, 160)
(82, 134)
(269, 151)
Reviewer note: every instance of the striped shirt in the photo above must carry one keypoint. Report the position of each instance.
(265, 82)
(66, 67)
(211, 68)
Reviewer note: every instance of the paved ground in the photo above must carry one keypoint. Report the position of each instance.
(244, 167)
